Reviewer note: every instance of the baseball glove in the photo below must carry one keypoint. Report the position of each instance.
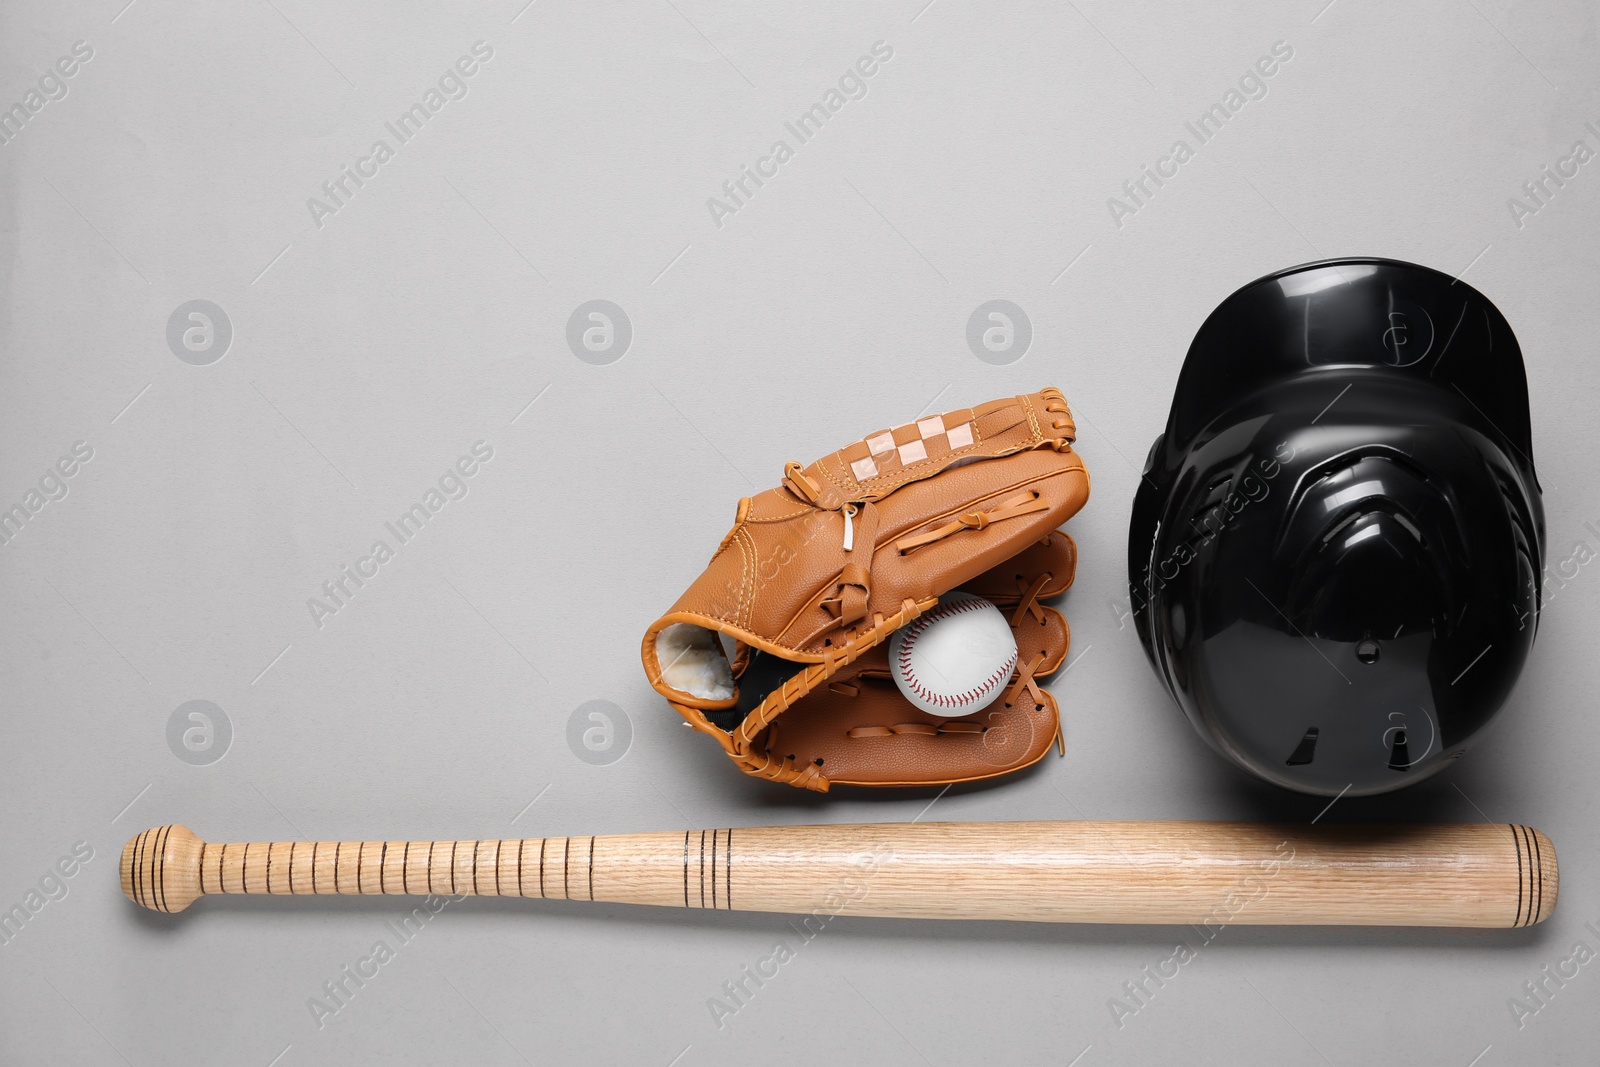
(779, 650)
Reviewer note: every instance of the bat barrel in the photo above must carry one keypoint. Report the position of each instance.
(1483, 875)
(1478, 875)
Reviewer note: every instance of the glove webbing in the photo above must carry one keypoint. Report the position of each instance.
(809, 775)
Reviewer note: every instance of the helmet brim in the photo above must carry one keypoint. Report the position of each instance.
(1366, 315)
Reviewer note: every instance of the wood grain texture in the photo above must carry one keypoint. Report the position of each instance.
(1482, 875)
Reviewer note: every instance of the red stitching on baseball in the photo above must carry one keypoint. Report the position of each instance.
(945, 611)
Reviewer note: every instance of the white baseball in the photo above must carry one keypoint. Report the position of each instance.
(956, 659)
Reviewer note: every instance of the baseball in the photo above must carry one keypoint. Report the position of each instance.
(956, 659)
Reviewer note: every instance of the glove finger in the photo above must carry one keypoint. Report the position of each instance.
(1006, 583)
(1052, 637)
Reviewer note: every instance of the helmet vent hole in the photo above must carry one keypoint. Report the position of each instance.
(1399, 758)
(1305, 751)
(1519, 523)
(1367, 650)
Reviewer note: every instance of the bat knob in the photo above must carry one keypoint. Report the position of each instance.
(161, 868)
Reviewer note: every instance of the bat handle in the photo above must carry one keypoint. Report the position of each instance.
(167, 868)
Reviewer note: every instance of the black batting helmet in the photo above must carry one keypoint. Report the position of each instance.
(1335, 552)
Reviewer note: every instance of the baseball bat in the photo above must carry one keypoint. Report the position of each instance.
(1478, 875)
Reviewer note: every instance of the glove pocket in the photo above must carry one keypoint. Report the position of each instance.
(874, 738)
(858, 729)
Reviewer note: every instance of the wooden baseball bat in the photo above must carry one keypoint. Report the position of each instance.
(1483, 875)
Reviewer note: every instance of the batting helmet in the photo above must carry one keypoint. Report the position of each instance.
(1335, 553)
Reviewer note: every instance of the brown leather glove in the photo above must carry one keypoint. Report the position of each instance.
(817, 573)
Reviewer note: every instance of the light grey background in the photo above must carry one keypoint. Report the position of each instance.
(430, 310)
